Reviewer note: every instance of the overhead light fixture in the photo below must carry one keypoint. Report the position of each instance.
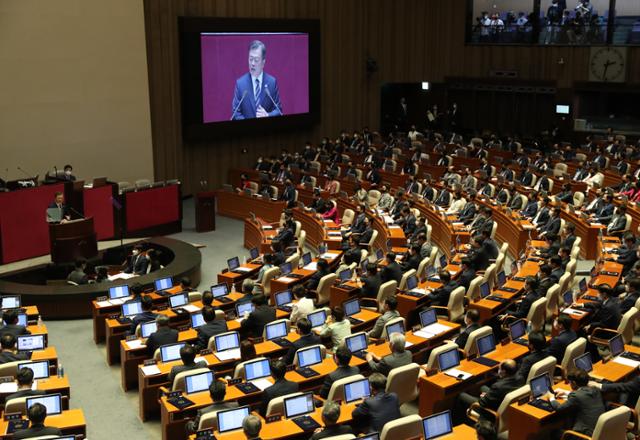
(425, 85)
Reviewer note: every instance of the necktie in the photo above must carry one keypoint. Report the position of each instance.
(257, 91)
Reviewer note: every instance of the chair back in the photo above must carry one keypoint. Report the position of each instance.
(178, 381)
(429, 231)
(404, 382)
(371, 241)
(405, 277)
(627, 325)
(499, 265)
(571, 266)
(402, 428)
(494, 228)
(422, 269)
(432, 362)
(473, 291)
(195, 296)
(564, 283)
(373, 197)
(347, 217)
(302, 239)
(294, 259)
(456, 304)
(578, 199)
(386, 290)
(432, 256)
(573, 350)
(17, 405)
(503, 409)
(553, 299)
(612, 424)
(10, 368)
(324, 288)
(536, 315)
(267, 276)
(276, 405)
(544, 366)
(490, 274)
(336, 392)
(239, 373)
(470, 347)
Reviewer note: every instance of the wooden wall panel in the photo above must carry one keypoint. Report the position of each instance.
(412, 40)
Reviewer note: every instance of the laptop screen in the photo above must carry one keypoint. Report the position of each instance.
(583, 362)
(40, 369)
(484, 290)
(356, 343)
(163, 283)
(254, 253)
(283, 298)
(443, 260)
(567, 297)
(345, 275)
(486, 344)
(197, 320)
(583, 285)
(412, 282)
(396, 327)
(356, 390)
(10, 302)
(198, 382)
(306, 258)
(231, 419)
(517, 329)
(540, 385)
(257, 369)
(502, 278)
(233, 263)
(118, 292)
(276, 330)
(309, 356)
(431, 271)
(428, 317)
(178, 300)
(227, 341)
(285, 269)
(147, 328)
(131, 308)
(298, 405)
(317, 318)
(53, 403)
(449, 359)
(30, 342)
(379, 254)
(171, 352)
(351, 307)
(437, 425)
(219, 290)
(616, 345)
(243, 307)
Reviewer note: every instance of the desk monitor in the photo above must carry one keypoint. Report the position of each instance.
(276, 330)
(583, 285)
(412, 282)
(285, 269)
(443, 261)
(197, 320)
(540, 385)
(254, 253)
(243, 307)
(345, 275)
(484, 290)
(23, 320)
(30, 342)
(309, 356)
(437, 425)
(317, 318)
(428, 317)
(616, 345)
(298, 405)
(351, 307)
(567, 298)
(562, 109)
(306, 258)
(220, 290)
(449, 359)
(53, 403)
(283, 298)
(118, 292)
(198, 382)
(357, 342)
(146, 328)
(583, 362)
(10, 302)
(233, 263)
(178, 300)
(356, 390)
(379, 254)
(517, 329)
(40, 368)
(396, 327)
(132, 308)
(431, 271)
(257, 369)
(163, 283)
(171, 352)
(227, 341)
(486, 344)
(502, 278)
(231, 419)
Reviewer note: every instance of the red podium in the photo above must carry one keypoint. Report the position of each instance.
(72, 240)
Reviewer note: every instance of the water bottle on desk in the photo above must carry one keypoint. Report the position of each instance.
(60, 370)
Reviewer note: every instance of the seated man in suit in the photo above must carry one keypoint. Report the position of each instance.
(390, 312)
(553, 246)
(251, 427)
(489, 244)
(552, 226)
(288, 194)
(58, 203)
(604, 214)
(425, 246)
(392, 271)
(531, 210)
(564, 336)
(188, 356)
(8, 352)
(280, 387)
(307, 339)
(371, 282)
(330, 416)
(211, 328)
(399, 356)
(555, 262)
(382, 407)
(217, 391)
(440, 296)
(478, 255)
(629, 255)
(353, 253)
(342, 357)
(412, 261)
(24, 378)
(146, 303)
(471, 319)
(537, 345)
(521, 308)
(632, 293)
(263, 314)
(10, 317)
(37, 414)
(77, 275)
(606, 313)
(618, 222)
(467, 274)
(162, 336)
(322, 267)
(138, 262)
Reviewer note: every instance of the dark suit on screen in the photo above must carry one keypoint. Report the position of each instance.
(249, 106)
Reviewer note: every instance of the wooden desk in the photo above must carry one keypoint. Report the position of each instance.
(69, 422)
(52, 384)
(256, 236)
(238, 206)
(236, 278)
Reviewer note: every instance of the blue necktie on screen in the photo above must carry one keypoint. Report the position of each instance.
(257, 92)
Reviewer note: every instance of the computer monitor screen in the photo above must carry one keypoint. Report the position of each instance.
(30, 342)
(10, 302)
(345, 275)
(171, 352)
(449, 359)
(244, 307)
(40, 369)
(486, 344)
(562, 109)
(517, 329)
(233, 263)
(197, 320)
(163, 283)
(276, 330)
(502, 278)
(616, 345)
(306, 258)
(583, 362)
(356, 390)
(227, 341)
(22, 319)
(118, 292)
(147, 328)
(583, 285)
(254, 253)
(317, 318)
(396, 327)
(540, 385)
(437, 425)
(198, 382)
(231, 419)
(309, 356)
(283, 298)
(285, 269)
(379, 254)
(412, 282)
(131, 308)
(298, 405)
(428, 317)
(357, 342)
(219, 290)
(178, 300)
(567, 297)
(443, 260)
(257, 369)
(484, 290)
(351, 307)
(53, 403)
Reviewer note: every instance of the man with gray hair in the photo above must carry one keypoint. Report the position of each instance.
(330, 416)
(398, 357)
(251, 425)
(162, 336)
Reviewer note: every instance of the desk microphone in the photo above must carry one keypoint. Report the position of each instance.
(74, 211)
(244, 94)
(266, 89)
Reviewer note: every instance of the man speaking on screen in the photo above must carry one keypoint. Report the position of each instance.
(256, 94)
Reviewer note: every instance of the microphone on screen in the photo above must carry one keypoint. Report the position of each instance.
(266, 89)
(244, 94)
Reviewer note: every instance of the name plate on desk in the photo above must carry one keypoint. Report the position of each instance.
(184, 328)
(150, 362)
(131, 337)
(13, 416)
(274, 418)
(102, 298)
(205, 434)
(5, 379)
(162, 307)
(257, 340)
(114, 316)
(172, 394)
(206, 352)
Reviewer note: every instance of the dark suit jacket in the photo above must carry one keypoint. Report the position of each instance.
(523, 306)
(461, 340)
(7, 356)
(337, 374)
(552, 226)
(192, 426)
(205, 332)
(249, 106)
(568, 241)
(468, 212)
(479, 259)
(25, 393)
(491, 248)
(313, 282)
(376, 411)
(390, 362)
(181, 368)
(137, 264)
(36, 431)
(390, 272)
(628, 258)
(605, 315)
(543, 218)
(556, 274)
(279, 388)
(371, 285)
(605, 213)
(630, 388)
(14, 329)
(255, 322)
(587, 405)
(304, 341)
(331, 431)
(493, 398)
(528, 362)
(163, 336)
(352, 256)
(559, 344)
(140, 318)
(466, 277)
(531, 209)
(628, 302)
(440, 296)
(412, 262)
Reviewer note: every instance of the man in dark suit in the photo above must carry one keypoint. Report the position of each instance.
(288, 194)
(399, 356)
(553, 246)
(322, 267)
(471, 319)
(470, 209)
(440, 296)
(467, 274)
(78, 275)
(605, 213)
(382, 407)
(542, 217)
(632, 287)
(8, 352)
(10, 317)
(584, 401)
(412, 260)
(330, 416)
(253, 325)
(307, 339)
(489, 244)
(409, 221)
(188, 356)
(607, 313)
(146, 303)
(552, 226)
(569, 235)
(392, 271)
(628, 391)
(537, 345)
(565, 336)
(531, 210)
(629, 255)
(478, 256)
(618, 222)
(341, 357)
(25, 385)
(354, 253)
(37, 414)
(211, 328)
(371, 282)
(521, 309)
(280, 387)
(58, 203)
(256, 93)
(544, 279)
(217, 390)
(162, 336)
(137, 262)
(556, 268)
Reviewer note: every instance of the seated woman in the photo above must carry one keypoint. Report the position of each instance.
(332, 212)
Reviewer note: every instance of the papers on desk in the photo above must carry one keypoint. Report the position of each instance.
(243, 269)
(334, 234)
(326, 220)
(328, 256)
(423, 334)
(103, 303)
(596, 224)
(571, 311)
(150, 370)
(121, 276)
(201, 359)
(262, 383)
(407, 344)
(420, 291)
(118, 301)
(227, 355)
(458, 223)
(311, 266)
(458, 374)
(626, 361)
(394, 227)
(191, 308)
(387, 219)
(528, 226)
(435, 328)
(135, 344)
(286, 279)
(8, 387)
(267, 227)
